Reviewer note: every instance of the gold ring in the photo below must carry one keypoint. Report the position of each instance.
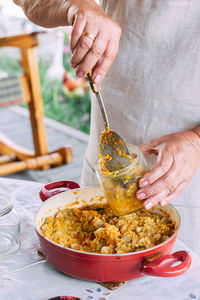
(90, 35)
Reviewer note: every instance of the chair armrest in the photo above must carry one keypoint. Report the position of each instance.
(26, 40)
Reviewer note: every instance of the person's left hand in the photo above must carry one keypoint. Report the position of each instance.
(177, 163)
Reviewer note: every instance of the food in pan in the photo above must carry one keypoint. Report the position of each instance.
(94, 228)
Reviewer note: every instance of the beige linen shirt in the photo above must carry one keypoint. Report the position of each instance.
(153, 87)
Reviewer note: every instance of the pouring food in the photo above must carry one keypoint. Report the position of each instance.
(121, 186)
(117, 169)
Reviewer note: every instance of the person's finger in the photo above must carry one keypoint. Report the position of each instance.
(167, 186)
(170, 197)
(93, 55)
(153, 200)
(83, 46)
(104, 64)
(77, 31)
(81, 49)
(163, 165)
(163, 197)
(166, 183)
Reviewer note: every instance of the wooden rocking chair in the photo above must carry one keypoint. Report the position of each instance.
(15, 158)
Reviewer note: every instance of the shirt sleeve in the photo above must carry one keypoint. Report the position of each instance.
(46, 13)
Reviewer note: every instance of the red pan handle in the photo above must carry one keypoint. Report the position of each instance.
(56, 187)
(162, 266)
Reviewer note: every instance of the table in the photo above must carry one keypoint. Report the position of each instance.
(25, 275)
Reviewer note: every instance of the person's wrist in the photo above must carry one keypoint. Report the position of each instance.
(195, 139)
(74, 6)
(71, 12)
(196, 130)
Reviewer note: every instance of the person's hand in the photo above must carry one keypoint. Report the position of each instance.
(177, 162)
(94, 40)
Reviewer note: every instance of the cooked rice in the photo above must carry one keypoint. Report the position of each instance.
(96, 229)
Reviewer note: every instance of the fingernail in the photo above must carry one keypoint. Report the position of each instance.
(148, 205)
(143, 183)
(73, 66)
(141, 195)
(79, 74)
(163, 203)
(97, 78)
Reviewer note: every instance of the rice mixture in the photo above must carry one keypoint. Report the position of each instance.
(96, 229)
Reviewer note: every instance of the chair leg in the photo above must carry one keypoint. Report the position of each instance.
(36, 109)
(17, 158)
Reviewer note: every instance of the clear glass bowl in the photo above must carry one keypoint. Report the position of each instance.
(120, 187)
(9, 227)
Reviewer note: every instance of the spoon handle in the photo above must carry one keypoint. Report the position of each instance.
(99, 99)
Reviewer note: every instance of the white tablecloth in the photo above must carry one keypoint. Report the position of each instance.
(25, 275)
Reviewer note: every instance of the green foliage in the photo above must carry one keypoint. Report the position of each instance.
(74, 112)
(8, 65)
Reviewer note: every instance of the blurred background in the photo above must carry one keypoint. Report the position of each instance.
(66, 98)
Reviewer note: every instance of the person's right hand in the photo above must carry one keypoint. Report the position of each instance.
(97, 54)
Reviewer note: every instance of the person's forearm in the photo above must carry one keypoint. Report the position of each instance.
(49, 13)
